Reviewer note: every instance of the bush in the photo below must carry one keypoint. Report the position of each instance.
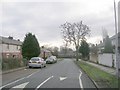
(12, 63)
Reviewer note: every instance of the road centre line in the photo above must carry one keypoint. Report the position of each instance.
(80, 81)
(43, 82)
(32, 74)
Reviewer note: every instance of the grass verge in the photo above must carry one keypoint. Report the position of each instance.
(102, 78)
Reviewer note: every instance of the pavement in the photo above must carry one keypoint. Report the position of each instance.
(13, 70)
(109, 70)
(63, 74)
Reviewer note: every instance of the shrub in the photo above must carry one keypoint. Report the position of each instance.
(12, 63)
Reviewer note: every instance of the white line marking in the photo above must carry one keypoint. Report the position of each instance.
(21, 85)
(17, 80)
(43, 82)
(80, 81)
(12, 82)
(31, 74)
(62, 78)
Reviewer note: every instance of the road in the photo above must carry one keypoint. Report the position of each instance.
(63, 74)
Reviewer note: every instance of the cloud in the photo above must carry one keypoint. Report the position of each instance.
(44, 18)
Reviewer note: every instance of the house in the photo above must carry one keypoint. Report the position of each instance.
(45, 53)
(108, 59)
(113, 42)
(10, 48)
(66, 52)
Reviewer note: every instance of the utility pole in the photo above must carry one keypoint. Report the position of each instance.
(116, 47)
(119, 36)
(119, 43)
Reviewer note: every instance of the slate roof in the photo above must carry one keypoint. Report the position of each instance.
(112, 38)
(9, 41)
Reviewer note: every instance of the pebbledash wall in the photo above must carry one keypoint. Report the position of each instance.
(107, 59)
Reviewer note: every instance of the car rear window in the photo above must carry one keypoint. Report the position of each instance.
(35, 59)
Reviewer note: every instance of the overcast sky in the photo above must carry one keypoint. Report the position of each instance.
(44, 18)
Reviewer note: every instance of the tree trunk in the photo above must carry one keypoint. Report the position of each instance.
(77, 51)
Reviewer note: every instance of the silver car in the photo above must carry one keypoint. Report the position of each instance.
(37, 62)
(51, 59)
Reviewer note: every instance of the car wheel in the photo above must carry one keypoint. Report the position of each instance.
(30, 67)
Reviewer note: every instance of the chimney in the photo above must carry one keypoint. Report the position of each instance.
(42, 46)
(10, 37)
(18, 39)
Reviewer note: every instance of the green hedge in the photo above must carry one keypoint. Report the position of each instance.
(12, 63)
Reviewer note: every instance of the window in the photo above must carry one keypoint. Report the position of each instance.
(17, 47)
(7, 55)
(14, 56)
(7, 46)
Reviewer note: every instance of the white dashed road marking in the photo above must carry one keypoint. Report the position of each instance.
(12, 82)
(18, 80)
(43, 82)
(21, 85)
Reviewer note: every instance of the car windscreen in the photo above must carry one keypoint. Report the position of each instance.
(35, 59)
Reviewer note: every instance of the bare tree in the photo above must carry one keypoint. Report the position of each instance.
(74, 33)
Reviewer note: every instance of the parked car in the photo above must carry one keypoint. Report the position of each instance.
(37, 62)
(54, 58)
(51, 59)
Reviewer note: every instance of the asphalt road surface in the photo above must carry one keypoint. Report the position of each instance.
(63, 74)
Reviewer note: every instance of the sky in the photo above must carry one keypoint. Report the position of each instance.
(44, 17)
